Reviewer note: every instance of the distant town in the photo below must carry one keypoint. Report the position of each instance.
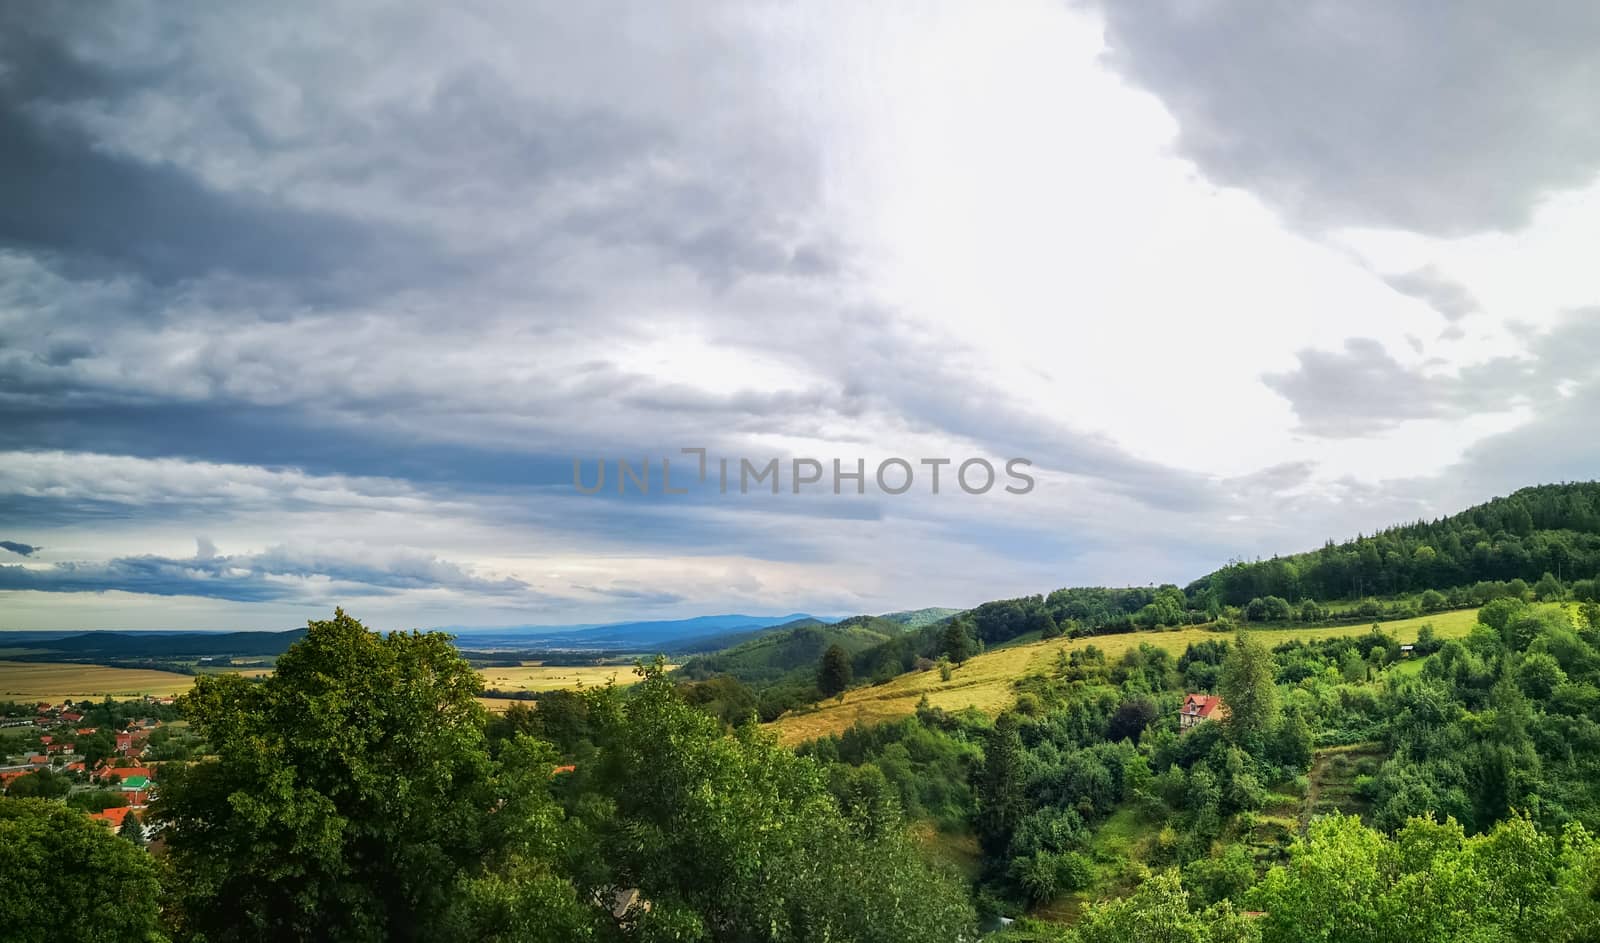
(103, 758)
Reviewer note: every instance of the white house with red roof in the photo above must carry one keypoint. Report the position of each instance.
(1199, 708)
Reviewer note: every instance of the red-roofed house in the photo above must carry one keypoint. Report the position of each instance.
(86, 731)
(1199, 708)
(124, 742)
(113, 816)
(128, 772)
(71, 717)
(46, 739)
(38, 759)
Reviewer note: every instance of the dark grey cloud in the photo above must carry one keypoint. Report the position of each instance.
(1439, 118)
(1359, 390)
(1362, 389)
(26, 550)
(276, 574)
(1427, 284)
(66, 195)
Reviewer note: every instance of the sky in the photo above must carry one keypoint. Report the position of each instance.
(317, 304)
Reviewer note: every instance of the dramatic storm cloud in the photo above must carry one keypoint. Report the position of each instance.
(319, 303)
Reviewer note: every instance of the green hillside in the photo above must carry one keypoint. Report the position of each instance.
(791, 655)
(1549, 529)
(920, 618)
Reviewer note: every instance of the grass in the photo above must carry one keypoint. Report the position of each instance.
(54, 682)
(1333, 780)
(959, 850)
(986, 682)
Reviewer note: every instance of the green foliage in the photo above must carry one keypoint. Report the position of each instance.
(1345, 883)
(520, 890)
(1549, 589)
(1268, 609)
(1159, 912)
(792, 656)
(1248, 687)
(999, 784)
(723, 697)
(1224, 877)
(40, 784)
(927, 763)
(1490, 550)
(64, 877)
(97, 800)
(742, 838)
(346, 792)
(956, 644)
(132, 829)
(834, 674)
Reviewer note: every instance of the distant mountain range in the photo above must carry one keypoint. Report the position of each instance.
(701, 633)
(672, 637)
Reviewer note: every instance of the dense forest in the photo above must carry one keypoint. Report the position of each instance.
(1551, 529)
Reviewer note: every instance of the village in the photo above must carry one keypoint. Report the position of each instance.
(103, 758)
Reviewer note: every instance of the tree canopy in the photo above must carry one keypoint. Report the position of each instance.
(65, 877)
(346, 791)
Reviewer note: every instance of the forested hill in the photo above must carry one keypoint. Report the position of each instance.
(778, 655)
(1551, 529)
(1540, 542)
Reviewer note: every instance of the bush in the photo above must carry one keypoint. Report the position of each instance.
(1269, 609)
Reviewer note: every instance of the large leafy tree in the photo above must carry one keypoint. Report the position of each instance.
(734, 838)
(66, 877)
(347, 790)
(1249, 688)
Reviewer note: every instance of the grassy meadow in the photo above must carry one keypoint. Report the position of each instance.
(985, 682)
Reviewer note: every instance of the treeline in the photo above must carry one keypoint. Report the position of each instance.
(1549, 529)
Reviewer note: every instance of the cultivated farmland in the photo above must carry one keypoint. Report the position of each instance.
(55, 682)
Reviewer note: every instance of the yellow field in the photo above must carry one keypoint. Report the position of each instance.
(54, 682)
(57, 681)
(556, 677)
(985, 682)
(551, 678)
